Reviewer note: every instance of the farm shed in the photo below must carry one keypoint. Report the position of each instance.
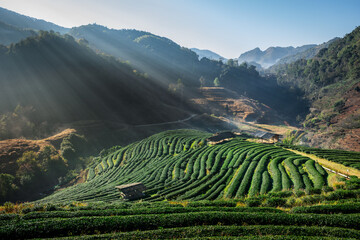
(220, 137)
(131, 191)
(271, 137)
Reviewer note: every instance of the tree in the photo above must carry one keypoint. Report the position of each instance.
(7, 186)
(28, 167)
(216, 82)
(202, 81)
(231, 63)
(244, 65)
(177, 88)
(180, 87)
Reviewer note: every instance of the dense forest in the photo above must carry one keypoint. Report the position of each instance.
(336, 63)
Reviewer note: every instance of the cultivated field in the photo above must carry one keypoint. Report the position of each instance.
(195, 191)
(181, 165)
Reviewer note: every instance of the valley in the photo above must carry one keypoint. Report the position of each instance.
(136, 123)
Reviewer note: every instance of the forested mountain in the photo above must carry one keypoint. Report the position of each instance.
(208, 54)
(331, 81)
(271, 55)
(307, 54)
(10, 34)
(24, 22)
(167, 62)
(66, 81)
(157, 56)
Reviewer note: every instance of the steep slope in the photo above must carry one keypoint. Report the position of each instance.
(66, 81)
(271, 55)
(10, 34)
(22, 22)
(330, 81)
(181, 165)
(208, 54)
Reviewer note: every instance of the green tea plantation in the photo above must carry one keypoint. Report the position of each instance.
(181, 165)
(229, 190)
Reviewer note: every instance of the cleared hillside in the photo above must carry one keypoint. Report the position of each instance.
(224, 102)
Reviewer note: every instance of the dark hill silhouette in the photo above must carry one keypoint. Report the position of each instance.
(66, 81)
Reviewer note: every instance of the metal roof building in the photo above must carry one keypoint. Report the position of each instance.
(267, 135)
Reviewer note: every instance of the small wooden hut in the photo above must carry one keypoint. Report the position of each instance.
(131, 191)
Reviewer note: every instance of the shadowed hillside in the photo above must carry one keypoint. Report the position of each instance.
(179, 69)
(66, 81)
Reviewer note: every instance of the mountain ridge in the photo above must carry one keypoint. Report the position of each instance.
(22, 22)
(271, 55)
(307, 54)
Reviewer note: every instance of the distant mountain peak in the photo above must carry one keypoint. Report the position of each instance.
(208, 54)
(271, 55)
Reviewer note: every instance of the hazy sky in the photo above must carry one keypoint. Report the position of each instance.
(228, 27)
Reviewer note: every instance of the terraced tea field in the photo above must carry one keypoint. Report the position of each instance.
(234, 189)
(181, 165)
